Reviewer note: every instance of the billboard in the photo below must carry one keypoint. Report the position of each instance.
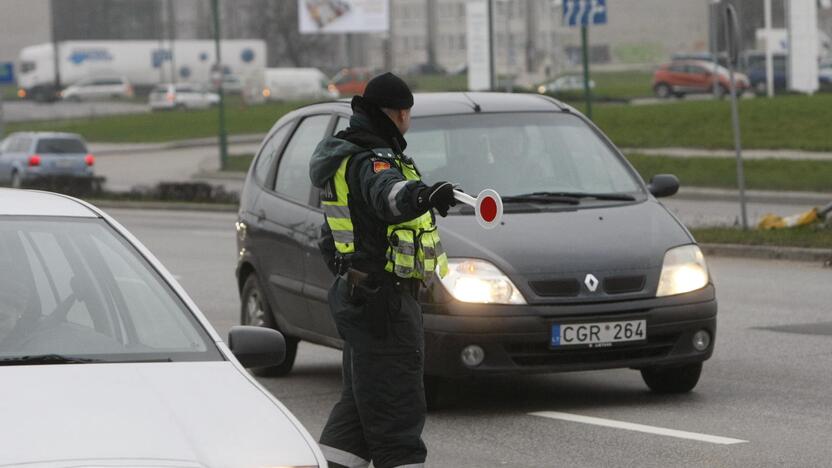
(802, 21)
(478, 37)
(343, 16)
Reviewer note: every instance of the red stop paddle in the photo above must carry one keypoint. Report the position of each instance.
(488, 206)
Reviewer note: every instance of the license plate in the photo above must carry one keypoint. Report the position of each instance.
(598, 335)
(64, 163)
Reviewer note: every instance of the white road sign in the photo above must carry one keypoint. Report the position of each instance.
(478, 36)
(803, 45)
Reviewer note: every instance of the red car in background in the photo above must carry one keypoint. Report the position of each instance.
(695, 76)
(350, 81)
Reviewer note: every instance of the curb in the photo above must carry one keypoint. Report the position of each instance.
(161, 205)
(768, 252)
(755, 196)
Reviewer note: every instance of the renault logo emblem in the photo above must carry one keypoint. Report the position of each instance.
(591, 282)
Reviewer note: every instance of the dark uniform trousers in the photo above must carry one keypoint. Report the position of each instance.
(381, 412)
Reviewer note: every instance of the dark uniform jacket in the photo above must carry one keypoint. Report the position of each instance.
(379, 194)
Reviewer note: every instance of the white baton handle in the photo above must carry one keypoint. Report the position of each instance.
(465, 198)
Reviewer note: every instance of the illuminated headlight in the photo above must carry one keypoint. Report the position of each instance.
(684, 270)
(478, 281)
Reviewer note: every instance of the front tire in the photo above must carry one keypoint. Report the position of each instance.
(677, 379)
(255, 311)
(663, 90)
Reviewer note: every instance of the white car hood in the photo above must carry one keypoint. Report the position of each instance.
(184, 414)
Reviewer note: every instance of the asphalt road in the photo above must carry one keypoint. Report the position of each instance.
(766, 387)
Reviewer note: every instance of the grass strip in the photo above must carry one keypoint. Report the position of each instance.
(807, 236)
(760, 174)
(785, 122)
(165, 126)
(239, 162)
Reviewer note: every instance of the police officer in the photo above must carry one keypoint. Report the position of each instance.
(382, 244)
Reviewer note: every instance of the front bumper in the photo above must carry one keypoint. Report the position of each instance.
(516, 343)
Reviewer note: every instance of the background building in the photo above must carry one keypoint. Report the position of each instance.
(529, 39)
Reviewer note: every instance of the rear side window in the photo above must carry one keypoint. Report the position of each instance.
(60, 146)
(293, 169)
(678, 68)
(342, 124)
(20, 145)
(269, 153)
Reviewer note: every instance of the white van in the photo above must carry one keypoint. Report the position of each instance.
(292, 84)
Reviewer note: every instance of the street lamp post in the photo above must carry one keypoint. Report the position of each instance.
(218, 77)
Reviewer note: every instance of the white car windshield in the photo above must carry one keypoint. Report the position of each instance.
(518, 153)
(75, 288)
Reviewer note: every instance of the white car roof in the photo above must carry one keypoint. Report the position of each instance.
(16, 202)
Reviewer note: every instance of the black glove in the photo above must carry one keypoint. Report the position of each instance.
(441, 196)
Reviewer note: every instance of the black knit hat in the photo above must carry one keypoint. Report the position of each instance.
(389, 91)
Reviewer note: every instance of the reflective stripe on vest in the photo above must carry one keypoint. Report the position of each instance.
(338, 212)
(414, 249)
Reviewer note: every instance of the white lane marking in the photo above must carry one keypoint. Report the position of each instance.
(638, 427)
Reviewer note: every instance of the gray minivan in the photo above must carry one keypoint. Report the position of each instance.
(588, 270)
(29, 157)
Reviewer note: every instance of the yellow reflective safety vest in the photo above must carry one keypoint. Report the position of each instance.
(414, 249)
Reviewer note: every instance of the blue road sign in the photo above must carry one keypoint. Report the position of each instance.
(6, 73)
(584, 12)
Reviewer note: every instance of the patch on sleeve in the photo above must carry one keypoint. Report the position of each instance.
(380, 165)
(328, 193)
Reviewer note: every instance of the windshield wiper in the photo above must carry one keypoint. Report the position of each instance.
(45, 359)
(577, 195)
(541, 197)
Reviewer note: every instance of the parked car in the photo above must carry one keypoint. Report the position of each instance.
(587, 270)
(565, 83)
(106, 361)
(756, 67)
(286, 84)
(695, 76)
(181, 96)
(350, 81)
(116, 87)
(232, 84)
(825, 75)
(30, 157)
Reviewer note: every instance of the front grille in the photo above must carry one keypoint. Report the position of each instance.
(623, 284)
(568, 287)
(540, 354)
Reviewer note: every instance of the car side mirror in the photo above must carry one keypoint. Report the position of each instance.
(257, 346)
(663, 185)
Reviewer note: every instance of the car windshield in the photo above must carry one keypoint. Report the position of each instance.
(517, 154)
(74, 289)
(60, 146)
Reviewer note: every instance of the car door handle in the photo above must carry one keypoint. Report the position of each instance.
(261, 215)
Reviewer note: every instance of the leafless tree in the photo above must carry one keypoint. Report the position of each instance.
(276, 22)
